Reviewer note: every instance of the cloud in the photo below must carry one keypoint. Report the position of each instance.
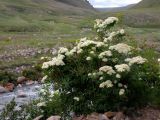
(112, 3)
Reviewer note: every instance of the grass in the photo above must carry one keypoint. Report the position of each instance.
(64, 32)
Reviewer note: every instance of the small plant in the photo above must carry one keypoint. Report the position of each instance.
(102, 74)
(6, 77)
(25, 112)
(34, 73)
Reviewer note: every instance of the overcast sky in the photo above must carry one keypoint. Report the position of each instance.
(112, 3)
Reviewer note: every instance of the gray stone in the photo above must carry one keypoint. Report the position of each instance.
(3, 90)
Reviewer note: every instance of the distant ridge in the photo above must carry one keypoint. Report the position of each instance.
(46, 7)
(148, 4)
(115, 9)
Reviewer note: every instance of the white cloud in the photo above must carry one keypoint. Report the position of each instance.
(112, 3)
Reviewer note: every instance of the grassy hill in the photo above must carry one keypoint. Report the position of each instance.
(39, 15)
(148, 4)
(145, 14)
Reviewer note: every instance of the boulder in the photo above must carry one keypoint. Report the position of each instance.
(21, 94)
(119, 116)
(93, 116)
(54, 118)
(30, 82)
(9, 86)
(3, 90)
(21, 80)
(82, 117)
(110, 114)
(103, 117)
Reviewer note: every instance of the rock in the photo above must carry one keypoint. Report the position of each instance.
(3, 90)
(19, 86)
(30, 82)
(21, 80)
(38, 118)
(21, 94)
(110, 114)
(79, 118)
(103, 117)
(9, 86)
(54, 118)
(93, 116)
(119, 116)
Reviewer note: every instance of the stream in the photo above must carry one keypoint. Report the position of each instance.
(31, 92)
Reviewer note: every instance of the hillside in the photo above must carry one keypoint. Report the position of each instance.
(35, 15)
(148, 4)
(115, 9)
(144, 14)
(45, 6)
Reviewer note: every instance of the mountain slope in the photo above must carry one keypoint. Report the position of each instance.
(148, 4)
(37, 15)
(115, 9)
(49, 6)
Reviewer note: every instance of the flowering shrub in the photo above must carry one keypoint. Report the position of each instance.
(100, 74)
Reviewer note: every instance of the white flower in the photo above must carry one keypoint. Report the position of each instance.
(159, 60)
(118, 76)
(122, 68)
(121, 92)
(94, 74)
(105, 54)
(121, 48)
(69, 53)
(83, 39)
(76, 98)
(107, 84)
(62, 50)
(109, 39)
(80, 51)
(107, 69)
(92, 52)
(42, 58)
(104, 59)
(93, 48)
(56, 61)
(88, 58)
(44, 78)
(99, 44)
(136, 60)
(42, 104)
(122, 32)
(101, 78)
(89, 74)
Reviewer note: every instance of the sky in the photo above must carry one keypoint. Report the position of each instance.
(112, 3)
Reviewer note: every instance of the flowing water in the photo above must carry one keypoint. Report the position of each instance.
(31, 92)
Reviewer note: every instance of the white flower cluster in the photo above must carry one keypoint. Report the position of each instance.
(76, 99)
(44, 79)
(112, 35)
(122, 68)
(56, 61)
(41, 104)
(62, 50)
(121, 92)
(121, 48)
(105, 54)
(101, 25)
(136, 60)
(107, 84)
(107, 69)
